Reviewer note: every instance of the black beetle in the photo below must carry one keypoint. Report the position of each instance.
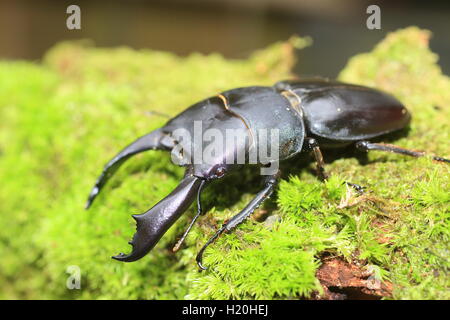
(309, 115)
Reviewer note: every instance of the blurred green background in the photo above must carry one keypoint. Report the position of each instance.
(233, 28)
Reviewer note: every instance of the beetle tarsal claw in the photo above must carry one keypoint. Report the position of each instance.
(201, 266)
(199, 257)
(199, 260)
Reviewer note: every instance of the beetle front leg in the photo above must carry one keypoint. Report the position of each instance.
(198, 214)
(367, 146)
(270, 182)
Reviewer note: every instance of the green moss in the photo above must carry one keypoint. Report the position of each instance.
(62, 119)
(399, 231)
(417, 256)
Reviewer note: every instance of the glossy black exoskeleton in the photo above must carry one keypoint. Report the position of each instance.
(309, 115)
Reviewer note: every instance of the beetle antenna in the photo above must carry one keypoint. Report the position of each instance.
(199, 212)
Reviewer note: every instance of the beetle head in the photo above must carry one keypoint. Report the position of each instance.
(212, 172)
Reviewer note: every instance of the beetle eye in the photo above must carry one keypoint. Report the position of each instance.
(220, 172)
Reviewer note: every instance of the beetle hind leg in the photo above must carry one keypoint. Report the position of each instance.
(151, 141)
(367, 146)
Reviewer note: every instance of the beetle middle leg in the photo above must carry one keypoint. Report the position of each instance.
(313, 145)
(367, 146)
(270, 182)
(320, 164)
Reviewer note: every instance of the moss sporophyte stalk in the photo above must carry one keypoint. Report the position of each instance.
(82, 104)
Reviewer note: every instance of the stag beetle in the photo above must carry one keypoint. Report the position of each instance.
(309, 115)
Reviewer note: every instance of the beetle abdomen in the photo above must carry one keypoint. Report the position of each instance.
(343, 112)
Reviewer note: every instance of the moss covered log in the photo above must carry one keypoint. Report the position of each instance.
(61, 119)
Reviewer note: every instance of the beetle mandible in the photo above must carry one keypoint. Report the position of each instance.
(310, 115)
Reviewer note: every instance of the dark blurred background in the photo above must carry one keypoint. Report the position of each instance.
(231, 27)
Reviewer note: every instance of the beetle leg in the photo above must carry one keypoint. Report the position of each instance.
(357, 187)
(367, 146)
(269, 186)
(153, 140)
(320, 164)
(199, 212)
